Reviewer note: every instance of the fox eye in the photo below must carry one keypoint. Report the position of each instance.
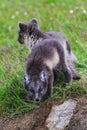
(32, 90)
(40, 89)
(26, 79)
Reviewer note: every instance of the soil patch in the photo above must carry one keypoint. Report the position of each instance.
(33, 121)
(36, 119)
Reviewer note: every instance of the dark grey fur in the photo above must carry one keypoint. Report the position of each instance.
(38, 78)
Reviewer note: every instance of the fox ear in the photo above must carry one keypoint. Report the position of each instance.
(34, 20)
(26, 79)
(22, 26)
(43, 76)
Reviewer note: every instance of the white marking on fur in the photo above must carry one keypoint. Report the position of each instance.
(36, 95)
(74, 58)
(30, 42)
(26, 78)
(43, 76)
(53, 61)
(64, 44)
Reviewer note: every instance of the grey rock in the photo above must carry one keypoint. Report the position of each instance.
(60, 115)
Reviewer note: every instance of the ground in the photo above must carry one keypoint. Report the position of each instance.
(29, 121)
(36, 119)
(68, 17)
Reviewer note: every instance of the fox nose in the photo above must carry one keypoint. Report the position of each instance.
(37, 99)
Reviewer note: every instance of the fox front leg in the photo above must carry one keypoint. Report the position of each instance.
(56, 74)
(50, 86)
(67, 74)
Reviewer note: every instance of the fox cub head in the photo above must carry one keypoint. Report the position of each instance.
(36, 86)
(26, 30)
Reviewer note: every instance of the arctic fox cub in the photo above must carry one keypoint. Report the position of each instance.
(44, 58)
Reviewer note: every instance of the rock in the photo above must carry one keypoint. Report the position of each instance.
(79, 120)
(60, 115)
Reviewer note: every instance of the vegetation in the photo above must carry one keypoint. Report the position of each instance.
(68, 17)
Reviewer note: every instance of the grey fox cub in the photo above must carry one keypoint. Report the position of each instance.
(43, 59)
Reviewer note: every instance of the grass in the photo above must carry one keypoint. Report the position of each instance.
(51, 16)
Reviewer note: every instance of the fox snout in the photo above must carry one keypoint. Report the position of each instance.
(37, 98)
